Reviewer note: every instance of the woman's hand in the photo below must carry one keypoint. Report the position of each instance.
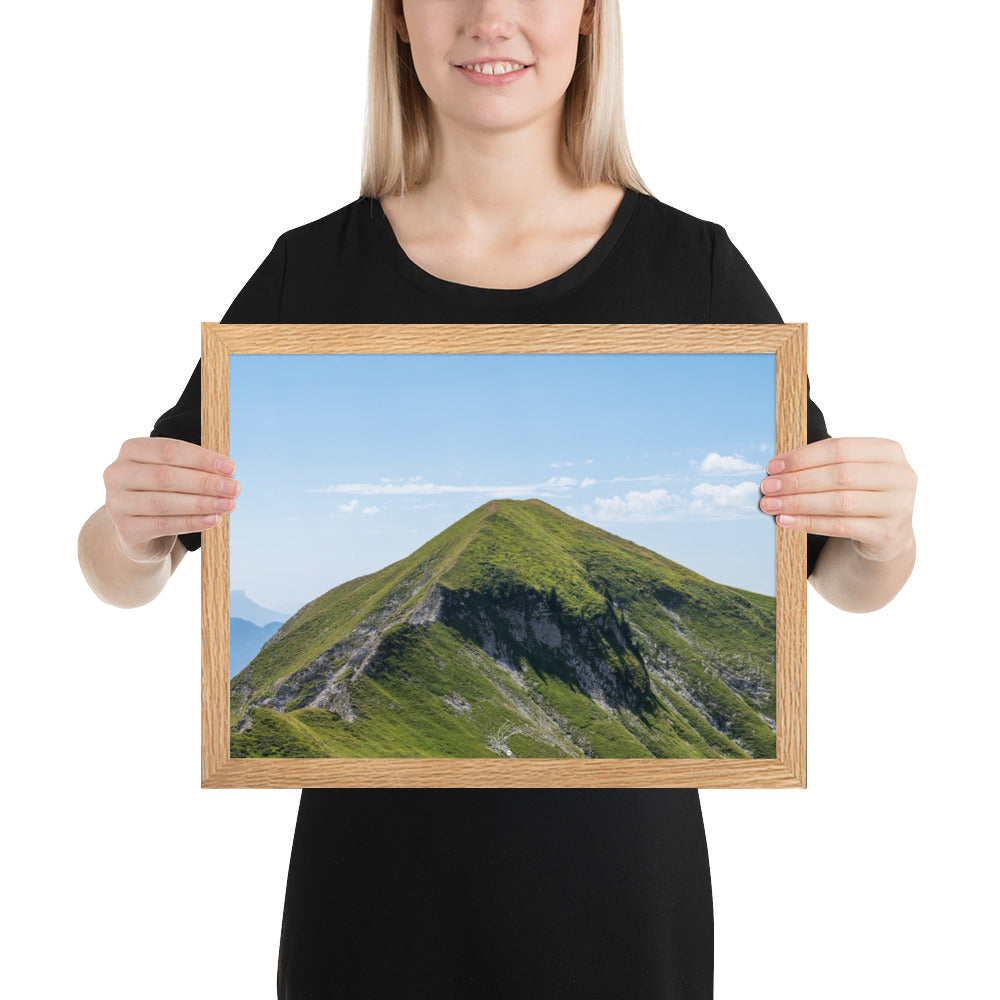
(158, 488)
(858, 491)
(856, 488)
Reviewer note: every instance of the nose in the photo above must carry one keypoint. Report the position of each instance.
(489, 19)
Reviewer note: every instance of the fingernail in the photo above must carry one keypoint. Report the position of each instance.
(211, 520)
(225, 504)
(771, 503)
(771, 485)
(228, 487)
(786, 519)
(225, 466)
(775, 466)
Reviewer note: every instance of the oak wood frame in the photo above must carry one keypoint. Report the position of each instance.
(788, 770)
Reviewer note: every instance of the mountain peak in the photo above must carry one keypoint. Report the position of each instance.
(243, 606)
(509, 503)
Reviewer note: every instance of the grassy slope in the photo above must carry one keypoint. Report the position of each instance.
(503, 552)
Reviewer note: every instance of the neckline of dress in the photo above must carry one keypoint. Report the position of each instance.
(550, 288)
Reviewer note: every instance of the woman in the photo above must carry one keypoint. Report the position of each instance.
(498, 187)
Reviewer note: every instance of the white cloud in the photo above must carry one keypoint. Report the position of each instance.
(727, 465)
(717, 497)
(640, 479)
(652, 505)
(416, 487)
(350, 508)
(587, 481)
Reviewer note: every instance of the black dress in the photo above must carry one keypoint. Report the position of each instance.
(587, 894)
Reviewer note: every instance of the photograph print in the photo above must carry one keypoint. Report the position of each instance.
(502, 556)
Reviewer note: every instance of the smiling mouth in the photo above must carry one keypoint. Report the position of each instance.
(493, 68)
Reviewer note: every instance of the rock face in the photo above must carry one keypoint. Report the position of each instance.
(517, 632)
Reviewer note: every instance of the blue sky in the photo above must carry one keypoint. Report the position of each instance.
(350, 462)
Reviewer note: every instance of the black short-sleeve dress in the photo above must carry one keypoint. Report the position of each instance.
(587, 894)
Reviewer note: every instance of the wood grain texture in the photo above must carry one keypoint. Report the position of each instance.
(400, 772)
(501, 339)
(786, 341)
(790, 551)
(214, 569)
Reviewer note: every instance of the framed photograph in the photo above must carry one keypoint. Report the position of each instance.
(473, 555)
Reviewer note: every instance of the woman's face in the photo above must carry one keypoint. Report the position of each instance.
(540, 35)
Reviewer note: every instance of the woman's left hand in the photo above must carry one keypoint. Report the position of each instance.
(856, 488)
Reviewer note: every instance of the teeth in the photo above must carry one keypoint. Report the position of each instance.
(495, 69)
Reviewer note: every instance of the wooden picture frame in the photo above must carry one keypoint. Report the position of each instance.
(787, 769)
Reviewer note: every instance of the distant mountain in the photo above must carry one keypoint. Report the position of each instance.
(241, 606)
(519, 631)
(245, 640)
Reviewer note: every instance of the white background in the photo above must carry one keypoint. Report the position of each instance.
(154, 154)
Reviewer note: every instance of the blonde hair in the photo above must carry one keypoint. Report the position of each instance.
(397, 141)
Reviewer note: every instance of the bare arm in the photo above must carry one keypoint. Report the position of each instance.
(859, 492)
(157, 488)
(851, 582)
(115, 577)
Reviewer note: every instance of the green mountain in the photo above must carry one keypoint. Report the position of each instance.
(519, 631)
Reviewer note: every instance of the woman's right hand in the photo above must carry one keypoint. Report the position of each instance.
(158, 488)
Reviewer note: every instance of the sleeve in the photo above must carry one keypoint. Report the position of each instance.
(815, 431)
(258, 302)
(737, 296)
